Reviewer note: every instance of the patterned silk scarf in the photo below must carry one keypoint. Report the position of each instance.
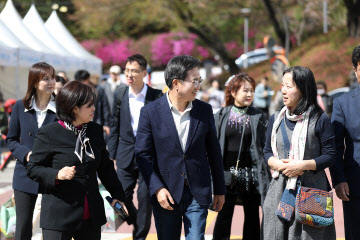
(82, 141)
(298, 140)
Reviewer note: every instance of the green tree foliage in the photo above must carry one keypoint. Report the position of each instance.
(215, 22)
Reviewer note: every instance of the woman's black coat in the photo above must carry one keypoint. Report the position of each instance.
(258, 124)
(62, 206)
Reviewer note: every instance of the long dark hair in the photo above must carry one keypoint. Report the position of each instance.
(234, 86)
(305, 82)
(36, 73)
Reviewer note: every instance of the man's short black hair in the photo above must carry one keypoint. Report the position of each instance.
(139, 59)
(73, 94)
(82, 75)
(178, 68)
(322, 83)
(60, 79)
(356, 57)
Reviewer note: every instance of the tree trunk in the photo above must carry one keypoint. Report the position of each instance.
(204, 33)
(279, 32)
(353, 17)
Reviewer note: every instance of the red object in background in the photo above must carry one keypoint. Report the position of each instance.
(9, 104)
(6, 161)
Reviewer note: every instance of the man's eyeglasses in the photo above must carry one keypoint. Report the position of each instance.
(132, 71)
(196, 83)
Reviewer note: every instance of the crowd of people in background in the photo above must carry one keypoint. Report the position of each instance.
(180, 152)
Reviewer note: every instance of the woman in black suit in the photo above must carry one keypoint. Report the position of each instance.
(36, 109)
(67, 157)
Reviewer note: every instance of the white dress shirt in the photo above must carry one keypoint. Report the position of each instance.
(136, 102)
(182, 121)
(41, 114)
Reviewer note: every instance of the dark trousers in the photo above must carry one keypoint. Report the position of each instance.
(87, 232)
(251, 230)
(351, 218)
(25, 203)
(140, 217)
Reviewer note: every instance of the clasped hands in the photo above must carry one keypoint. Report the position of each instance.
(290, 168)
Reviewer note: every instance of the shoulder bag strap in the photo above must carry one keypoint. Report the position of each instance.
(241, 144)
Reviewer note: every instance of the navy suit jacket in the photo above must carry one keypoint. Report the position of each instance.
(122, 141)
(162, 161)
(102, 108)
(346, 122)
(20, 139)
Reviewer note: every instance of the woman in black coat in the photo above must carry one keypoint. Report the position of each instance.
(67, 157)
(36, 109)
(232, 122)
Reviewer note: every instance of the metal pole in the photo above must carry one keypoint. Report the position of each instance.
(325, 27)
(246, 38)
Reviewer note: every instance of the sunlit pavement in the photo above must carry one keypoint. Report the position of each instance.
(124, 231)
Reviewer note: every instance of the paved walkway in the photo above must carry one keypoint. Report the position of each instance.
(124, 231)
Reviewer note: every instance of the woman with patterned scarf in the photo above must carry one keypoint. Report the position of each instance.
(241, 131)
(311, 138)
(67, 157)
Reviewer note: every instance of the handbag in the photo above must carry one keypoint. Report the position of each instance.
(232, 176)
(243, 176)
(8, 219)
(113, 221)
(286, 207)
(314, 207)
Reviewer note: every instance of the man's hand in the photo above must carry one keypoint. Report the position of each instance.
(28, 156)
(106, 130)
(163, 196)
(66, 173)
(218, 203)
(115, 167)
(342, 191)
(293, 168)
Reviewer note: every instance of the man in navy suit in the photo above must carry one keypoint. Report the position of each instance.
(178, 154)
(345, 173)
(128, 101)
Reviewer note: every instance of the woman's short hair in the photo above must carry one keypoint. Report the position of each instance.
(36, 73)
(305, 81)
(73, 94)
(235, 84)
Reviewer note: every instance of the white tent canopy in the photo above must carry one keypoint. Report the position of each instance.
(60, 32)
(28, 41)
(13, 21)
(36, 25)
(8, 55)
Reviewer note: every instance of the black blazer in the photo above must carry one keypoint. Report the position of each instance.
(102, 108)
(24, 126)
(122, 141)
(62, 206)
